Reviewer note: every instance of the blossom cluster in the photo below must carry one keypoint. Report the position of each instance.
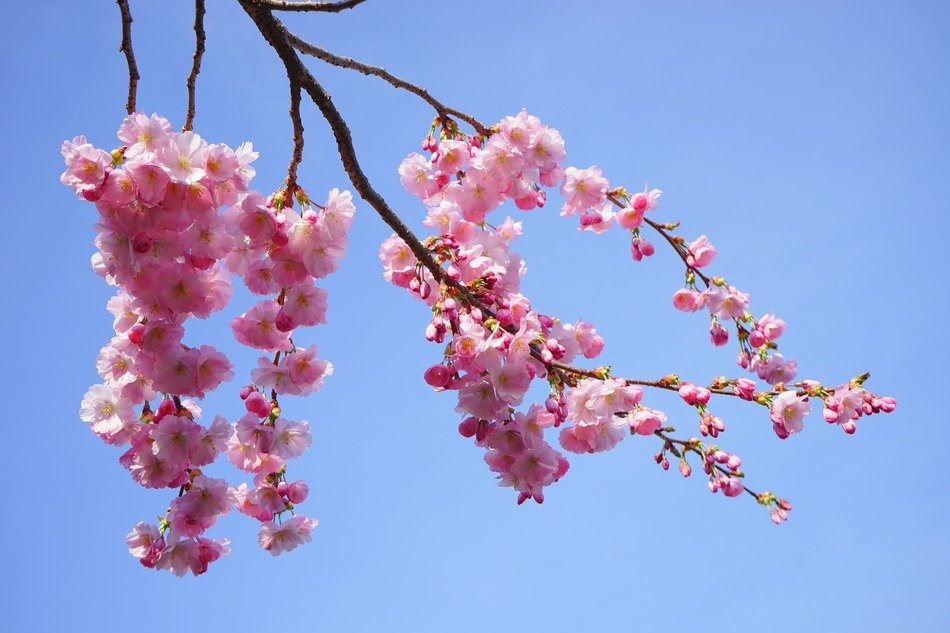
(496, 343)
(166, 245)
(588, 192)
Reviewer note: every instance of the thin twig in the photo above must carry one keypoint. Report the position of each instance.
(325, 7)
(659, 228)
(126, 47)
(688, 445)
(195, 63)
(298, 137)
(397, 82)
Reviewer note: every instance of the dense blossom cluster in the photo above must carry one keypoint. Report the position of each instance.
(497, 343)
(169, 251)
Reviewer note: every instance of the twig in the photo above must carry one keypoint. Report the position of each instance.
(126, 47)
(195, 63)
(325, 7)
(397, 82)
(298, 137)
(659, 228)
(689, 445)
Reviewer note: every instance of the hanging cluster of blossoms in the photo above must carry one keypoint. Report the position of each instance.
(496, 343)
(166, 245)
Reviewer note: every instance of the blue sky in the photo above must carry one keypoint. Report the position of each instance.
(810, 142)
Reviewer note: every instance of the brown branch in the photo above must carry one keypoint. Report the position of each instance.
(126, 47)
(397, 82)
(298, 138)
(324, 7)
(195, 63)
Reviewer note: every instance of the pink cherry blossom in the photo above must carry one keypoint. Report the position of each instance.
(788, 411)
(286, 536)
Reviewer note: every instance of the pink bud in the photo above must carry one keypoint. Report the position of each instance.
(886, 404)
(246, 391)
(483, 430)
(257, 404)
(718, 334)
(297, 491)
(136, 334)
(732, 486)
(165, 407)
(438, 376)
(756, 339)
(468, 427)
(685, 469)
(201, 263)
(745, 388)
(635, 250)
(283, 322)
(141, 243)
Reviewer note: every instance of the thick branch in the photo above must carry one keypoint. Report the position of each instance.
(195, 63)
(324, 7)
(126, 47)
(397, 82)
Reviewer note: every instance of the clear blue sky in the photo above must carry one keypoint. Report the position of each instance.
(809, 140)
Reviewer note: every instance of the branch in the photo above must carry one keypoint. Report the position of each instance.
(126, 47)
(298, 137)
(324, 7)
(397, 82)
(195, 63)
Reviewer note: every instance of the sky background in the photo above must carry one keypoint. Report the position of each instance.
(808, 140)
